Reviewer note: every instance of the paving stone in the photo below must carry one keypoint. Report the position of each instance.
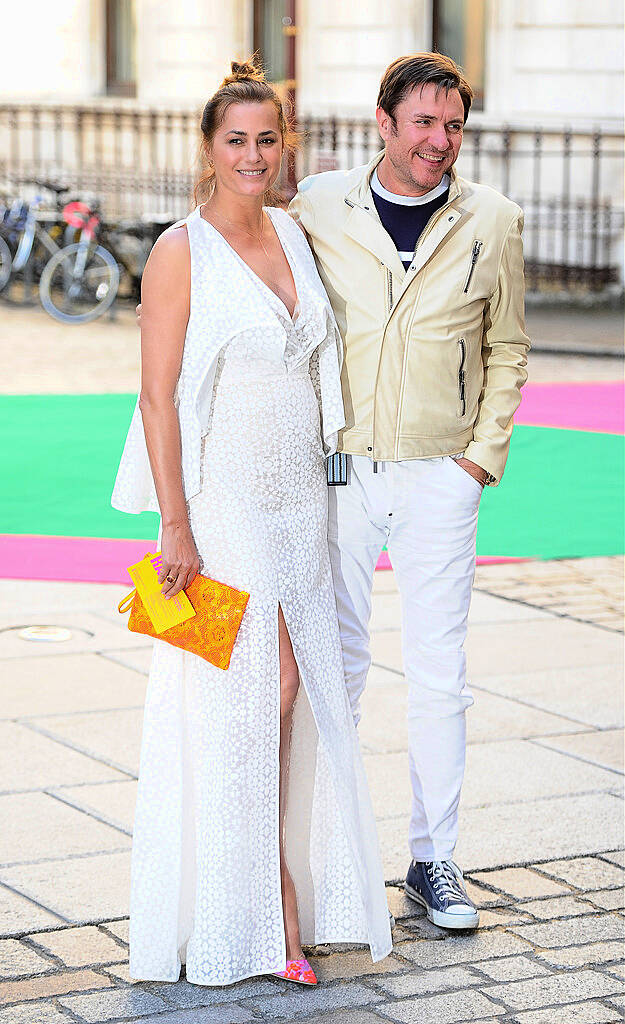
(589, 694)
(111, 802)
(463, 949)
(81, 947)
(522, 883)
(503, 918)
(121, 972)
(512, 968)
(67, 684)
(574, 1013)
(47, 1013)
(43, 595)
(114, 737)
(616, 971)
(607, 899)
(389, 785)
(495, 718)
(354, 965)
(70, 891)
(383, 726)
(616, 857)
(230, 1014)
(400, 905)
(488, 608)
(560, 988)
(119, 928)
(50, 985)
(103, 1006)
(18, 961)
(483, 898)
(425, 982)
(91, 633)
(443, 1009)
(558, 906)
(581, 956)
(31, 761)
(342, 1017)
(512, 833)
(298, 1004)
(573, 931)
(541, 644)
(421, 928)
(604, 748)
(37, 826)
(493, 771)
(138, 660)
(586, 872)
(183, 995)
(620, 1002)
(19, 915)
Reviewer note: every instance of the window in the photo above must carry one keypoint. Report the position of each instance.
(459, 30)
(270, 21)
(121, 75)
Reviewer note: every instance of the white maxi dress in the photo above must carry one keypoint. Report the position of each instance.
(205, 888)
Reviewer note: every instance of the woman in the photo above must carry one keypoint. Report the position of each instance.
(254, 831)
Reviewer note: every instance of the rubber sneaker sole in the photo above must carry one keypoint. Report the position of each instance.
(439, 917)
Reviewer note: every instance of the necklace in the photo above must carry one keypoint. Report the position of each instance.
(259, 239)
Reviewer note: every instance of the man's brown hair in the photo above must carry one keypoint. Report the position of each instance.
(408, 73)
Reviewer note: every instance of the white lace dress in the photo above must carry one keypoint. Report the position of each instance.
(205, 861)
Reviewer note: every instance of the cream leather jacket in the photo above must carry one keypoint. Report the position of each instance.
(434, 357)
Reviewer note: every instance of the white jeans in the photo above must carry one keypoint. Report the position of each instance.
(425, 510)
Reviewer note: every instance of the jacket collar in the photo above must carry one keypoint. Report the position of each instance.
(365, 227)
(361, 191)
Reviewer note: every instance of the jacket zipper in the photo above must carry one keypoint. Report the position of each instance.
(461, 377)
(475, 255)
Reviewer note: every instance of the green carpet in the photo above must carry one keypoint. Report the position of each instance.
(561, 496)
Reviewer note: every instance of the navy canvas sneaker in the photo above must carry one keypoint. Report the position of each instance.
(438, 886)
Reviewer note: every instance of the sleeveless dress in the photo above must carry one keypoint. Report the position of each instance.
(205, 886)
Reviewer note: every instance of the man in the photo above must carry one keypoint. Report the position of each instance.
(425, 274)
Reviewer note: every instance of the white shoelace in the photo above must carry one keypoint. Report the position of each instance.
(445, 882)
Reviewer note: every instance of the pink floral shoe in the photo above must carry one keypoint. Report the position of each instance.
(299, 971)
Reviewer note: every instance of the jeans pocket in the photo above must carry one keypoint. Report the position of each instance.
(477, 487)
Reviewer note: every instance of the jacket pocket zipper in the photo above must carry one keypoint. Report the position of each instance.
(461, 377)
(475, 255)
(389, 290)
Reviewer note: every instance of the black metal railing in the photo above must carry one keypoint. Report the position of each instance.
(140, 161)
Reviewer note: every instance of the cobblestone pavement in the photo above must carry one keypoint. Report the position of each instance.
(541, 820)
(584, 589)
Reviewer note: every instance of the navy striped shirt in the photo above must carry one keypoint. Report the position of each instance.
(404, 217)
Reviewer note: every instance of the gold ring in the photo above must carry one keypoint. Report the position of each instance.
(171, 579)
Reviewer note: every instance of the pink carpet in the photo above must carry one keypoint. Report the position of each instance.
(594, 405)
(92, 559)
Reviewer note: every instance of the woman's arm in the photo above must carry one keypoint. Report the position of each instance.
(165, 302)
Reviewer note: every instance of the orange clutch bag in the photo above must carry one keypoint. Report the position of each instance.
(210, 632)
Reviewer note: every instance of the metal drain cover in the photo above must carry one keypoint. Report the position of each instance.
(46, 634)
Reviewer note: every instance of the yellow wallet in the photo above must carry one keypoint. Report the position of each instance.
(203, 619)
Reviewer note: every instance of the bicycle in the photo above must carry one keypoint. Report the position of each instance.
(80, 281)
(30, 231)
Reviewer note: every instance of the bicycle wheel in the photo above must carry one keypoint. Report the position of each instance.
(79, 283)
(5, 263)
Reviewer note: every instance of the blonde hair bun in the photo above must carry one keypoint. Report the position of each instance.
(246, 71)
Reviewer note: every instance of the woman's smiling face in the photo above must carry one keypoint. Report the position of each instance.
(246, 149)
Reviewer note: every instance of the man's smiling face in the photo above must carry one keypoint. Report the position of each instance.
(424, 142)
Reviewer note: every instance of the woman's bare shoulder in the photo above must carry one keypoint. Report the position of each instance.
(170, 253)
